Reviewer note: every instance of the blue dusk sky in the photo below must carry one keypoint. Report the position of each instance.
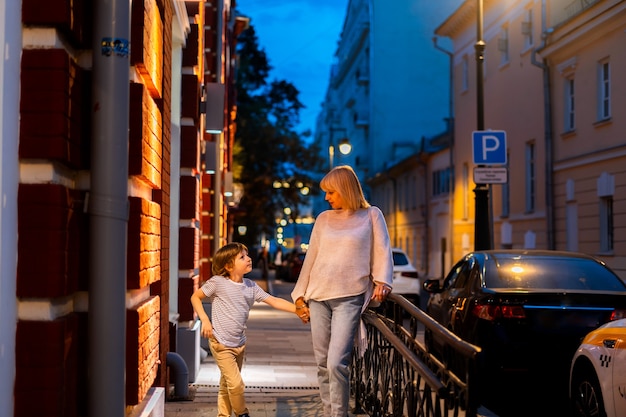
(299, 38)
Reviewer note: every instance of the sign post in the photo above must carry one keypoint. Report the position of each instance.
(488, 148)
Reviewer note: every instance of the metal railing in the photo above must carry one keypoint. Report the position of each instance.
(398, 376)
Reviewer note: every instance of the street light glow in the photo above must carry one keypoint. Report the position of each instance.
(344, 146)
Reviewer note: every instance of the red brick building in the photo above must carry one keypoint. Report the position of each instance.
(72, 286)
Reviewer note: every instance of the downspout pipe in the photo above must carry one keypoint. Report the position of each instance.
(108, 209)
(11, 41)
(451, 128)
(180, 370)
(548, 133)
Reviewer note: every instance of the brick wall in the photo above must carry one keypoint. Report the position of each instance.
(143, 328)
(46, 382)
(144, 243)
(53, 226)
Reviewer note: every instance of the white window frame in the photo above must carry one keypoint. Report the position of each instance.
(569, 116)
(527, 28)
(604, 90)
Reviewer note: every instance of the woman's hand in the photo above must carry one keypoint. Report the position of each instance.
(302, 310)
(381, 292)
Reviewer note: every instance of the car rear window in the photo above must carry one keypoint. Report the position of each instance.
(400, 259)
(550, 273)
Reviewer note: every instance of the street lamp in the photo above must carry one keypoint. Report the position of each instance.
(344, 146)
(482, 228)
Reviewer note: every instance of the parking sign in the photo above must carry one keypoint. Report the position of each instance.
(489, 147)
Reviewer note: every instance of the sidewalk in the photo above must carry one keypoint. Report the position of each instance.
(279, 370)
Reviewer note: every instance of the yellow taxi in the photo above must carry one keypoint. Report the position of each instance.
(598, 373)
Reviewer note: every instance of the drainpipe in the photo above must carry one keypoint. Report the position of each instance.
(451, 151)
(108, 209)
(547, 116)
(11, 41)
(181, 374)
(426, 211)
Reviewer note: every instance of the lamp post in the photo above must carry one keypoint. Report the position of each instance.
(344, 145)
(482, 228)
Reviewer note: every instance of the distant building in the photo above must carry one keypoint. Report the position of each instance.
(388, 95)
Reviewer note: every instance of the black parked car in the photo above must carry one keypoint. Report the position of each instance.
(527, 309)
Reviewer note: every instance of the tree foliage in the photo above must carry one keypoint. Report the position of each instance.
(268, 150)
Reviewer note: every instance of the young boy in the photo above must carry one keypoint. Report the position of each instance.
(231, 296)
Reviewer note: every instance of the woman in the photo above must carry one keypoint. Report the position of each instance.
(348, 264)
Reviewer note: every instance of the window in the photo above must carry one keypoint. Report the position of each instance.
(530, 177)
(606, 189)
(414, 193)
(503, 46)
(441, 182)
(506, 201)
(570, 124)
(407, 193)
(571, 216)
(464, 190)
(527, 29)
(465, 74)
(606, 224)
(401, 193)
(604, 91)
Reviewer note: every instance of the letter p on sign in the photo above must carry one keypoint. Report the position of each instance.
(489, 147)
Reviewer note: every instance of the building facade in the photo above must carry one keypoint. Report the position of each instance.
(548, 80)
(107, 110)
(584, 60)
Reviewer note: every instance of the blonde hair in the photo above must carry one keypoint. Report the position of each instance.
(225, 257)
(344, 181)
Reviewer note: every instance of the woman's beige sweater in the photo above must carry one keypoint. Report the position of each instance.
(347, 250)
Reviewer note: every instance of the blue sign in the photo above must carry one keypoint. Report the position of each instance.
(489, 147)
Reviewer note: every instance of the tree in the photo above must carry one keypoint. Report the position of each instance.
(267, 148)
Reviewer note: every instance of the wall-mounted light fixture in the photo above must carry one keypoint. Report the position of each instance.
(213, 107)
(210, 157)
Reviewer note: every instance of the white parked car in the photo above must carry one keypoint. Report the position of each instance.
(598, 373)
(405, 277)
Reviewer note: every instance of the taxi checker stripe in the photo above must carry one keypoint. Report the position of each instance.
(605, 361)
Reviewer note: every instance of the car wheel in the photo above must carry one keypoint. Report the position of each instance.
(586, 398)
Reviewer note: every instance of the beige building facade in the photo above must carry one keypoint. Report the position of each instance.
(550, 82)
(587, 60)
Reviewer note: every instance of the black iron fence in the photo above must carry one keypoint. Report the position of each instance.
(398, 376)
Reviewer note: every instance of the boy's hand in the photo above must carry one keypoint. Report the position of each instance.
(302, 310)
(207, 329)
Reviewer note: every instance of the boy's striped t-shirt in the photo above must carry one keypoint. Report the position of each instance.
(231, 302)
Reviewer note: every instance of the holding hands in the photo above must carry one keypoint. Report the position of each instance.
(302, 310)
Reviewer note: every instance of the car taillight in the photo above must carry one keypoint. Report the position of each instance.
(618, 314)
(491, 312)
(409, 274)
